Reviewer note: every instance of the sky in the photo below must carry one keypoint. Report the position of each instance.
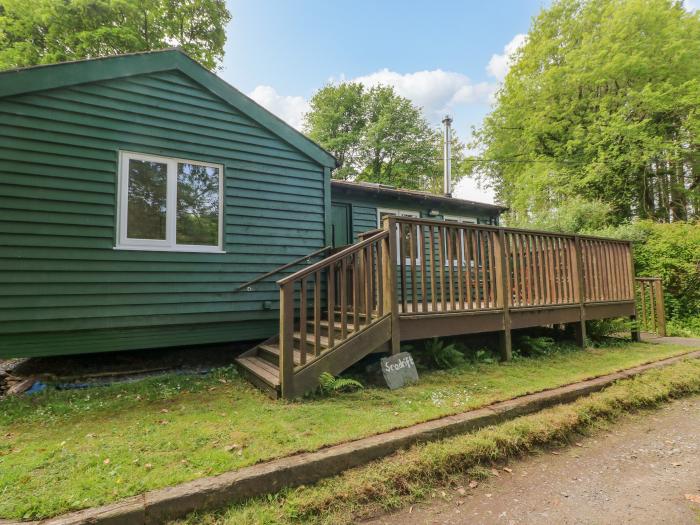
(448, 57)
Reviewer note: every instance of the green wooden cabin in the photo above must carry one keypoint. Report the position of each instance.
(138, 192)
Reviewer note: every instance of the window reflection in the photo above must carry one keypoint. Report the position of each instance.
(148, 182)
(197, 205)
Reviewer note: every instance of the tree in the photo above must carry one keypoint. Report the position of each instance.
(601, 103)
(379, 136)
(49, 31)
(337, 121)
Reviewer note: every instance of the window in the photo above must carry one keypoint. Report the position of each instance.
(383, 212)
(169, 204)
(457, 244)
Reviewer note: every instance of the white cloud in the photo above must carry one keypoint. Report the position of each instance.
(499, 65)
(691, 5)
(436, 91)
(291, 109)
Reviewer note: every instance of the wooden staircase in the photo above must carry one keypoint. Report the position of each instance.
(347, 287)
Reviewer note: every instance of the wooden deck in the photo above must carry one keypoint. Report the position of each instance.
(419, 278)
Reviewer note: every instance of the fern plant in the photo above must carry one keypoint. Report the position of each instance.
(437, 354)
(329, 384)
(535, 346)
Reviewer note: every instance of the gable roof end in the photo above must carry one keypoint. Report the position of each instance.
(53, 76)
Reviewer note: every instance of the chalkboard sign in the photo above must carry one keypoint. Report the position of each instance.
(399, 370)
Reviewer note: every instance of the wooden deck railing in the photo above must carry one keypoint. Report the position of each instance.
(651, 316)
(450, 267)
(422, 270)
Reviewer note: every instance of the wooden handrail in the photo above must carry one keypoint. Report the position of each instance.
(329, 260)
(426, 222)
(279, 269)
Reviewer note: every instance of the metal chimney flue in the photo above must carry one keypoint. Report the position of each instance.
(447, 155)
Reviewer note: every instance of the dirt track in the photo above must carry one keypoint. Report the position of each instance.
(640, 472)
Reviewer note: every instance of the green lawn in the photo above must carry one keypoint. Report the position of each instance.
(67, 450)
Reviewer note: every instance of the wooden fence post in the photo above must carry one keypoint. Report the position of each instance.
(286, 343)
(635, 333)
(503, 289)
(580, 326)
(389, 282)
(660, 312)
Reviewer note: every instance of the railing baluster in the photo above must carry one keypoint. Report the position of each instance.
(493, 266)
(468, 258)
(303, 303)
(441, 263)
(368, 277)
(460, 273)
(402, 265)
(424, 268)
(433, 298)
(541, 279)
(413, 246)
(450, 266)
(330, 292)
(380, 279)
(356, 299)
(317, 314)
(477, 264)
(343, 298)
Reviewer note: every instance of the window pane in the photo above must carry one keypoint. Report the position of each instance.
(197, 205)
(147, 200)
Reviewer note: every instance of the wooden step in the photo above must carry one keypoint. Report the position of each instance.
(266, 374)
(271, 353)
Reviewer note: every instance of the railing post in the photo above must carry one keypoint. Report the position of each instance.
(503, 290)
(389, 282)
(660, 312)
(580, 326)
(286, 343)
(635, 332)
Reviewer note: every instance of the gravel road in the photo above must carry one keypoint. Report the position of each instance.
(645, 470)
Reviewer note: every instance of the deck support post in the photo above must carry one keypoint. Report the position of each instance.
(580, 333)
(580, 294)
(635, 334)
(389, 282)
(503, 291)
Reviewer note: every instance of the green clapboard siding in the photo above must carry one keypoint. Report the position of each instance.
(364, 210)
(65, 289)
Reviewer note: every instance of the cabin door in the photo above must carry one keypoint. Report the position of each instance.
(340, 219)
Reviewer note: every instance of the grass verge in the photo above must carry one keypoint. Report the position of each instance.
(67, 450)
(409, 476)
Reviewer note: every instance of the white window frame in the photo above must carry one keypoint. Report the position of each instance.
(169, 243)
(461, 220)
(402, 213)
